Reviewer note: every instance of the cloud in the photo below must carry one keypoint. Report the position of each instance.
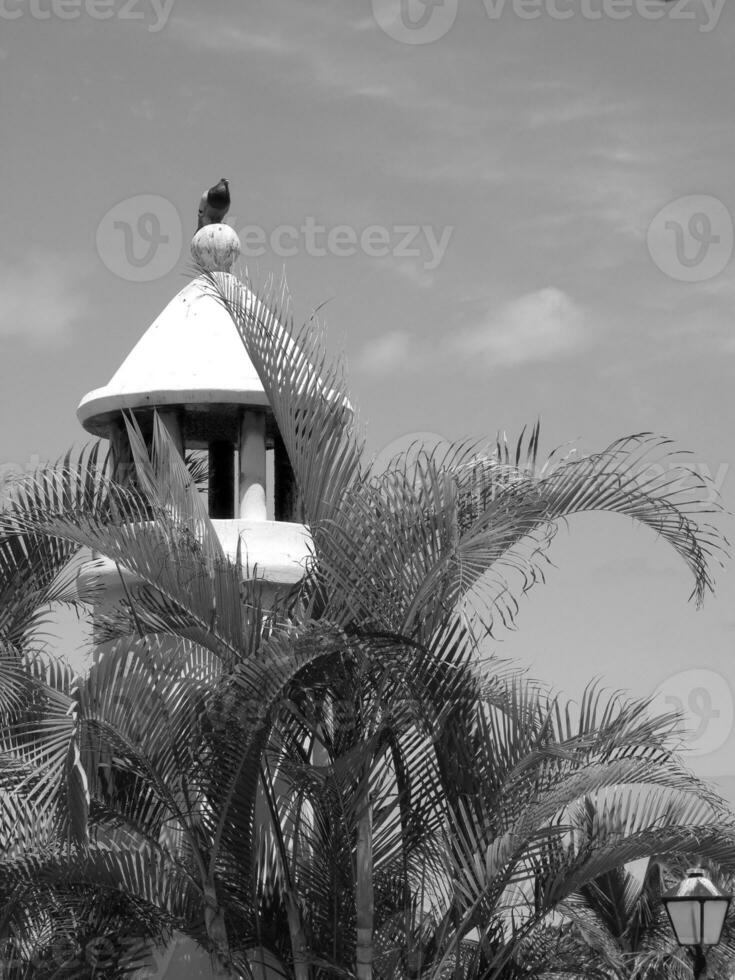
(42, 298)
(222, 36)
(386, 354)
(407, 270)
(309, 47)
(534, 327)
(570, 111)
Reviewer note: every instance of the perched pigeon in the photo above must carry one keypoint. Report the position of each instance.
(215, 204)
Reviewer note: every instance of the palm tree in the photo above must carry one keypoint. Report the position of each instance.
(615, 926)
(56, 905)
(342, 781)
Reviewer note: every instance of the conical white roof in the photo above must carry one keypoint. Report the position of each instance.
(191, 354)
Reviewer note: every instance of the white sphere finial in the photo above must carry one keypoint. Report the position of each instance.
(215, 248)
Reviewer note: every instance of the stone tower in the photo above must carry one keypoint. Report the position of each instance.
(191, 367)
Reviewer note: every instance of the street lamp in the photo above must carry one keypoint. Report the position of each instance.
(697, 910)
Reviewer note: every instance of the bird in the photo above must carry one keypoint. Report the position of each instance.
(215, 204)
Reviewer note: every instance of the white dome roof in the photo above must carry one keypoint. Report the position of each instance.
(191, 354)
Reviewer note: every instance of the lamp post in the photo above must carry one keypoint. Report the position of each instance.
(697, 910)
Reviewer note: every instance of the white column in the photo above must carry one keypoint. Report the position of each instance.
(123, 469)
(252, 466)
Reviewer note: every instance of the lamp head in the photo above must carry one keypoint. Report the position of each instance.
(697, 909)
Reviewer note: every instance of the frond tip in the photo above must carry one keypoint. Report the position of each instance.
(641, 477)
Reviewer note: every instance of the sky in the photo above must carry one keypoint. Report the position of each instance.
(512, 210)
